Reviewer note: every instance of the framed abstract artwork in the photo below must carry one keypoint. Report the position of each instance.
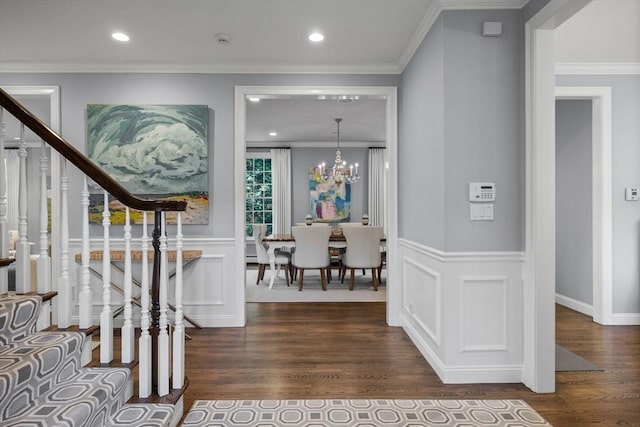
(155, 152)
(329, 201)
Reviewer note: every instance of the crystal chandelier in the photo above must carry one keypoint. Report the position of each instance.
(340, 172)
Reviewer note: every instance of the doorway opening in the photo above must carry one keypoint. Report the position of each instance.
(242, 141)
(601, 202)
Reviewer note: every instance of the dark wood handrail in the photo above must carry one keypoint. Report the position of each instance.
(82, 162)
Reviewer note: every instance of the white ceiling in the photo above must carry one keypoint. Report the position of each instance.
(604, 31)
(362, 36)
(170, 35)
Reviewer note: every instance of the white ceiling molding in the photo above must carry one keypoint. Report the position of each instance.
(17, 67)
(597, 68)
(315, 144)
(427, 22)
(482, 4)
(434, 11)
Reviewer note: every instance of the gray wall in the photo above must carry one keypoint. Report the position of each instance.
(421, 210)
(461, 121)
(626, 173)
(482, 116)
(214, 90)
(574, 233)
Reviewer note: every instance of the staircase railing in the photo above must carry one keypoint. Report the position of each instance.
(154, 352)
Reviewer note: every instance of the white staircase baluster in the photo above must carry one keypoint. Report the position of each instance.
(85, 300)
(163, 337)
(106, 316)
(23, 256)
(178, 332)
(144, 365)
(128, 336)
(44, 260)
(65, 293)
(4, 229)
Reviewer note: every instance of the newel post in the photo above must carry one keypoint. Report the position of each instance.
(155, 298)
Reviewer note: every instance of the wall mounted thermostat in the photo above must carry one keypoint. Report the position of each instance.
(631, 194)
(482, 191)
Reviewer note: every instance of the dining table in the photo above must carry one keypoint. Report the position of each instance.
(277, 241)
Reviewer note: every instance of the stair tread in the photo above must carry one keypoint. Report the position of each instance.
(73, 328)
(172, 398)
(6, 261)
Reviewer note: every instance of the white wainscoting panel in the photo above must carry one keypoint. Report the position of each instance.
(464, 311)
(424, 286)
(483, 313)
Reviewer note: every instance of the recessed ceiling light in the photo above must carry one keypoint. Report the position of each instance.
(273, 133)
(121, 37)
(254, 99)
(316, 37)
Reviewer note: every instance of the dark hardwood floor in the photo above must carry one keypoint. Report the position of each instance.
(345, 350)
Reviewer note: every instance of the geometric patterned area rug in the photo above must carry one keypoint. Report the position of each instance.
(362, 412)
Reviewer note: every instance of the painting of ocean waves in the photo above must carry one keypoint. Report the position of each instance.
(155, 152)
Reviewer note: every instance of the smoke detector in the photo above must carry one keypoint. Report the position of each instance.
(345, 99)
(222, 38)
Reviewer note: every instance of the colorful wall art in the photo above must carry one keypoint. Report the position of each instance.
(329, 201)
(155, 152)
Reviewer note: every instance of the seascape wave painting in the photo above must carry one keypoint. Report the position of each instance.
(154, 151)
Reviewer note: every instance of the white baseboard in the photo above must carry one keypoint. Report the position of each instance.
(624, 319)
(463, 374)
(615, 319)
(424, 348)
(575, 305)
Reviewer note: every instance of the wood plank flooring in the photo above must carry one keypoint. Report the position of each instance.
(345, 350)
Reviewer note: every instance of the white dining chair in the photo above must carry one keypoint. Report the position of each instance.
(340, 248)
(312, 251)
(283, 258)
(363, 251)
(350, 224)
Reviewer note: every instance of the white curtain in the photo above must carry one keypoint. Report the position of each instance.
(281, 185)
(13, 172)
(377, 192)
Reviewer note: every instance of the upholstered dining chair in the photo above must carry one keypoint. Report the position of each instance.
(363, 251)
(283, 258)
(337, 249)
(312, 251)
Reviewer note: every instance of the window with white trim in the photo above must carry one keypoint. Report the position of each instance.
(258, 192)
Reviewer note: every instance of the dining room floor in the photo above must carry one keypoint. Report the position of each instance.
(312, 288)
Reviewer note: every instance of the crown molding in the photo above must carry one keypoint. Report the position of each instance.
(429, 18)
(381, 68)
(482, 4)
(598, 68)
(434, 10)
(314, 144)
